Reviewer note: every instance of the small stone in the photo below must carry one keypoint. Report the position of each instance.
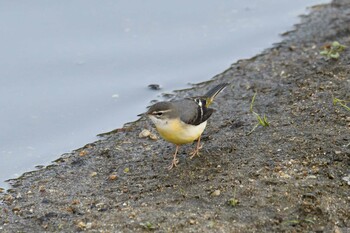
(284, 175)
(83, 153)
(192, 221)
(337, 152)
(113, 177)
(8, 198)
(215, 193)
(16, 208)
(42, 188)
(315, 169)
(144, 133)
(153, 136)
(337, 230)
(211, 224)
(39, 166)
(154, 87)
(93, 174)
(346, 179)
(89, 225)
(132, 215)
(81, 225)
(101, 206)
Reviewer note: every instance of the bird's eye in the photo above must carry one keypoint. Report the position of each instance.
(159, 113)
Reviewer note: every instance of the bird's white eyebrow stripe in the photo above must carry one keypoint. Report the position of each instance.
(162, 111)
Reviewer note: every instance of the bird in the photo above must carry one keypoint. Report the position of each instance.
(183, 121)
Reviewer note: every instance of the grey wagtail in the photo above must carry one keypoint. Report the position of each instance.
(183, 121)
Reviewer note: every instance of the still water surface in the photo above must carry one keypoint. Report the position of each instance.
(72, 69)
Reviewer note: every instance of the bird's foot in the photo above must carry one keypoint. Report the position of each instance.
(173, 164)
(195, 152)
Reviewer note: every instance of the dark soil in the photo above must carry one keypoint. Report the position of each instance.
(288, 177)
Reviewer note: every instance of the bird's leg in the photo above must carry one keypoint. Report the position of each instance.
(196, 150)
(175, 160)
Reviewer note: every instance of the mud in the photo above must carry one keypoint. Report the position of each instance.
(289, 177)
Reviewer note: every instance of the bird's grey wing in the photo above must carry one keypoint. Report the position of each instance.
(192, 111)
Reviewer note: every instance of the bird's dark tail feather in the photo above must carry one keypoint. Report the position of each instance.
(210, 95)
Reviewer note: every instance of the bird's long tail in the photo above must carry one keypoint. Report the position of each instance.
(210, 95)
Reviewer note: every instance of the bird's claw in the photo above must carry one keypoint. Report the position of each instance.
(173, 164)
(196, 151)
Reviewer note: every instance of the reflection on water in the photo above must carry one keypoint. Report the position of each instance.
(72, 69)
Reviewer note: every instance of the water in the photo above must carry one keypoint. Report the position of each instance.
(72, 69)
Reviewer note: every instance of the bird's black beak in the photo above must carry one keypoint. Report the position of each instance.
(142, 114)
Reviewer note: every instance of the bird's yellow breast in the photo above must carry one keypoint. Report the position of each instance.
(177, 132)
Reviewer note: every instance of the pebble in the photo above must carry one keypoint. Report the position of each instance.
(144, 133)
(155, 87)
(82, 153)
(16, 208)
(42, 188)
(192, 221)
(81, 225)
(153, 136)
(346, 179)
(216, 193)
(93, 174)
(284, 175)
(88, 225)
(113, 177)
(8, 198)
